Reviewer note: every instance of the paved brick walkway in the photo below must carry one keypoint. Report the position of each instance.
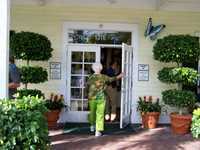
(155, 139)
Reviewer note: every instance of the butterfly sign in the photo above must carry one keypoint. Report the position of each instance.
(152, 31)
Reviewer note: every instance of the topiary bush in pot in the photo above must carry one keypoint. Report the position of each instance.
(178, 49)
(30, 46)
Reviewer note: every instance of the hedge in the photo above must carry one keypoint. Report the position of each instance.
(23, 125)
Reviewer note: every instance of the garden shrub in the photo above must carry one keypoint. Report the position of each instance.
(196, 123)
(179, 98)
(29, 92)
(23, 125)
(31, 46)
(177, 48)
(33, 74)
(184, 75)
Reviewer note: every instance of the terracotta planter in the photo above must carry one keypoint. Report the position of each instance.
(150, 119)
(180, 124)
(52, 117)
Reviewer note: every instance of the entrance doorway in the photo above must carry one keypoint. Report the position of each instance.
(110, 55)
(79, 61)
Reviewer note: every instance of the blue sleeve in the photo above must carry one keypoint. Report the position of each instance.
(110, 72)
(14, 74)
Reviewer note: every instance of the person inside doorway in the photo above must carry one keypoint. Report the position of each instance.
(14, 77)
(97, 84)
(111, 92)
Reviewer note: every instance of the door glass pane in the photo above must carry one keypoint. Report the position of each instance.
(76, 93)
(77, 56)
(85, 94)
(76, 69)
(76, 81)
(85, 106)
(89, 57)
(76, 105)
(85, 79)
(88, 69)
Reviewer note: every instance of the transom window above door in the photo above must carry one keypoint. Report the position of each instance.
(98, 37)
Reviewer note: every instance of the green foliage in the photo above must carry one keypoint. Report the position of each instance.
(147, 105)
(195, 128)
(178, 98)
(184, 75)
(29, 92)
(54, 105)
(23, 125)
(30, 46)
(177, 48)
(33, 74)
(55, 102)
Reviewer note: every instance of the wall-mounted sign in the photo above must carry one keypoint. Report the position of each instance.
(55, 70)
(98, 37)
(143, 72)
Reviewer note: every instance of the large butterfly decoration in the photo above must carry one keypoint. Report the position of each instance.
(152, 31)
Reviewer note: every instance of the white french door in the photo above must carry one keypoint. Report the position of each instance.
(79, 60)
(126, 87)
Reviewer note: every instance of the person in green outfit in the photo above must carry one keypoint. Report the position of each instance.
(97, 84)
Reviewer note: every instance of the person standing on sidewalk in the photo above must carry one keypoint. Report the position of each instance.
(14, 78)
(97, 84)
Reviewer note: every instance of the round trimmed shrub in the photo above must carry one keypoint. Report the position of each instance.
(33, 74)
(184, 75)
(30, 46)
(179, 98)
(177, 48)
(29, 92)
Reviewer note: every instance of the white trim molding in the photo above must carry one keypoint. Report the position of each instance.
(133, 28)
(4, 46)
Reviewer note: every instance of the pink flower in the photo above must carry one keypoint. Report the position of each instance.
(150, 98)
(145, 98)
(157, 101)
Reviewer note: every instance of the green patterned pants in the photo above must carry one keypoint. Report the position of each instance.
(97, 108)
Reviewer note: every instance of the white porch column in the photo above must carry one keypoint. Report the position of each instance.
(4, 46)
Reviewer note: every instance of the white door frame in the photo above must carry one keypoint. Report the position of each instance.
(133, 28)
(126, 85)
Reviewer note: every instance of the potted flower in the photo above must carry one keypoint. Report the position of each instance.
(179, 50)
(150, 111)
(54, 104)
